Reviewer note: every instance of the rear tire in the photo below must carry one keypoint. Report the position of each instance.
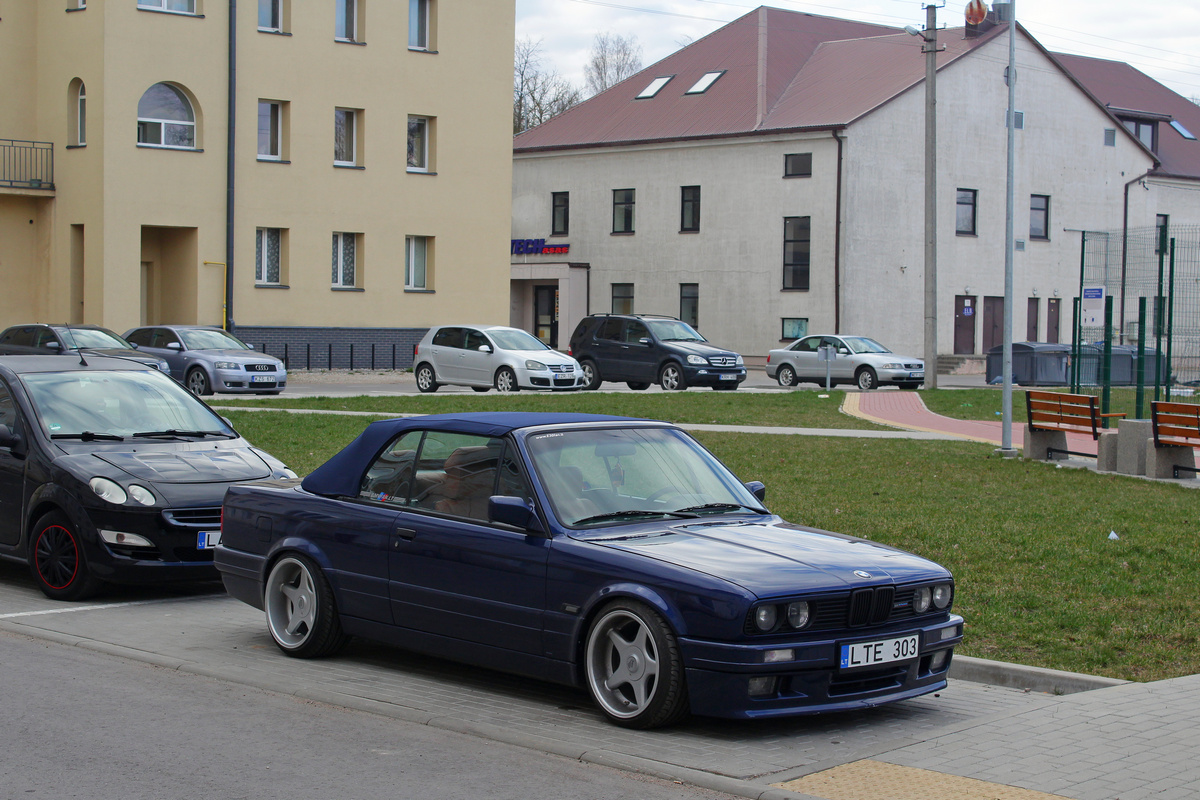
(301, 614)
(590, 374)
(786, 376)
(426, 379)
(57, 560)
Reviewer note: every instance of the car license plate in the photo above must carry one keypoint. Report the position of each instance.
(916, 374)
(729, 377)
(262, 378)
(884, 651)
(207, 540)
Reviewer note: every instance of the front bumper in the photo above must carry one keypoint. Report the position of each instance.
(551, 379)
(714, 376)
(235, 381)
(901, 377)
(173, 533)
(720, 675)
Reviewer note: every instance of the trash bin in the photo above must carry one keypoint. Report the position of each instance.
(1121, 369)
(1034, 363)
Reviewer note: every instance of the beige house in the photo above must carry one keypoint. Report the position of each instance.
(322, 172)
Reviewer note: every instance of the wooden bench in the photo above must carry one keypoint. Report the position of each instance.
(1176, 433)
(1052, 415)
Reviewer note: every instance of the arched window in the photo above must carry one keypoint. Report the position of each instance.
(77, 113)
(165, 118)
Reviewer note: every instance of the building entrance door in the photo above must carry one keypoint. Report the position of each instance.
(545, 314)
(1052, 320)
(993, 322)
(964, 324)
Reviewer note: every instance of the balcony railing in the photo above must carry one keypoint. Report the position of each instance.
(26, 165)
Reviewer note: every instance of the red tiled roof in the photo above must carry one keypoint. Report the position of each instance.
(1120, 87)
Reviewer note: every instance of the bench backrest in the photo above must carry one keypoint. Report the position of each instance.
(1176, 423)
(1055, 411)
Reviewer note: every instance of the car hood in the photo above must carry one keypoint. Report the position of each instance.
(240, 356)
(120, 352)
(208, 465)
(776, 558)
(544, 356)
(699, 348)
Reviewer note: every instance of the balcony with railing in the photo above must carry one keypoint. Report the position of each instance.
(26, 165)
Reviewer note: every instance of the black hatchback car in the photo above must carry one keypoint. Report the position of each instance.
(112, 472)
(39, 338)
(641, 349)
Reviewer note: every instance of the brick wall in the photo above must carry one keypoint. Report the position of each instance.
(333, 348)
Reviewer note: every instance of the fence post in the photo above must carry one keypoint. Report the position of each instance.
(308, 356)
(372, 356)
(393, 356)
(1076, 351)
(1140, 402)
(329, 357)
(1106, 364)
(352, 355)
(1170, 320)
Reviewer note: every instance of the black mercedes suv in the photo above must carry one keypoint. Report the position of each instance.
(642, 349)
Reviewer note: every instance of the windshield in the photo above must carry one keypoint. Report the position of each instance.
(673, 330)
(77, 338)
(206, 339)
(106, 404)
(514, 339)
(861, 344)
(609, 476)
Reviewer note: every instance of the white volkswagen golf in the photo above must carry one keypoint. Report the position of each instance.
(483, 356)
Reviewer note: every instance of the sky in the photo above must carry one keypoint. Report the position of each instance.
(1159, 37)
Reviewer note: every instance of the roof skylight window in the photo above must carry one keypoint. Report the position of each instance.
(1184, 132)
(701, 86)
(654, 87)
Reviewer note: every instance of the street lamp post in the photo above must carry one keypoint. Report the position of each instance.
(930, 49)
(1006, 446)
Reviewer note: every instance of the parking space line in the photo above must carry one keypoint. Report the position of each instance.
(96, 607)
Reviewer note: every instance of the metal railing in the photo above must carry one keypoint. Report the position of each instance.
(26, 165)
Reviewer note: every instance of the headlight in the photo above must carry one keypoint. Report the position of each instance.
(921, 599)
(697, 360)
(226, 365)
(797, 614)
(941, 595)
(141, 494)
(535, 365)
(109, 491)
(892, 366)
(740, 362)
(765, 618)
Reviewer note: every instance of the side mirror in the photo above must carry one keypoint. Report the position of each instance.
(644, 340)
(250, 346)
(758, 489)
(174, 346)
(485, 348)
(52, 345)
(515, 512)
(9, 438)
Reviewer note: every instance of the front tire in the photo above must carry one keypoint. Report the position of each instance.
(637, 386)
(633, 667)
(301, 614)
(671, 378)
(426, 379)
(57, 560)
(197, 382)
(867, 379)
(786, 376)
(506, 380)
(590, 374)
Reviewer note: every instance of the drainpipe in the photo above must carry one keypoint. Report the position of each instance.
(837, 242)
(229, 165)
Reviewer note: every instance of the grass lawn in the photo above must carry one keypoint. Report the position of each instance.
(1039, 580)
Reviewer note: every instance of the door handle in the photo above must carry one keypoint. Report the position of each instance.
(405, 533)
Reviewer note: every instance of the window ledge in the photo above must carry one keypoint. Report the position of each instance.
(75, 146)
(348, 166)
(786, 289)
(422, 50)
(1039, 238)
(689, 231)
(349, 41)
(267, 160)
(271, 286)
(77, 8)
(622, 233)
(168, 11)
(564, 234)
(412, 171)
(809, 175)
(418, 291)
(274, 32)
(967, 235)
(346, 289)
(168, 147)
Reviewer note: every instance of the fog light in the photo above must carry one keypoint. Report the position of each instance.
(938, 662)
(775, 656)
(761, 687)
(125, 539)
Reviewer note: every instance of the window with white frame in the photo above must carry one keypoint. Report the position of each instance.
(345, 248)
(270, 16)
(267, 255)
(416, 262)
(345, 133)
(270, 130)
(418, 144)
(179, 6)
(78, 113)
(345, 23)
(165, 118)
(420, 15)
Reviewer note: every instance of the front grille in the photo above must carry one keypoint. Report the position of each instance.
(914, 366)
(723, 361)
(868, 606)
(260, 367)
(193, 517)
(851, 683)
(561, 368)
(564, 381)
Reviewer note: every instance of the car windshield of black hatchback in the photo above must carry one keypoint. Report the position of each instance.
(78, 338)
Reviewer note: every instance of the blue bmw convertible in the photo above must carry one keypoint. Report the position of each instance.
(611, 553)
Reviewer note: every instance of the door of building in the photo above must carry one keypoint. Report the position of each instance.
(545, 314)
(1031, 320)
(1052, 320)
(964, 324)
(993, 322)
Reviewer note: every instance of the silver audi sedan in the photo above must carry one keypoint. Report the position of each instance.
(857, 360)
(486, 356)
(207, 359)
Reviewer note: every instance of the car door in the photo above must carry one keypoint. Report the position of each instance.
(444, 350)
(12, 473)
(451, 572)
(639, 354)
(157, 342)
(843, 365)
(475, 365)
(607, 349)
(803, 357)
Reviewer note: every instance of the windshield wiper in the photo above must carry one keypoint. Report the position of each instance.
(721, 507)
(633, 512)
(173, 432)
(89, 436)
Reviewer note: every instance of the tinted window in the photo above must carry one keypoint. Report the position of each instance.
(448, 337)
(475, 339)
(808, 345)
(636, 331)
(141, 337)
(389, 480)
(8, 412)
(611, 329)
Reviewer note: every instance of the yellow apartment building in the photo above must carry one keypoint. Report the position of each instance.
(316, 174)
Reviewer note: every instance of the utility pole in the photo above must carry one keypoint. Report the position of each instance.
(930, 49)
(1006, 447)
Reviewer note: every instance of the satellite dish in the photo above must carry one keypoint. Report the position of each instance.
(976, 12)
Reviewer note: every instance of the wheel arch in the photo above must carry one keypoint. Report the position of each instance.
(295, 545)
(620, 591)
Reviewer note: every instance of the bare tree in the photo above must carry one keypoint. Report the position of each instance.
(614, 58)
(538, 93)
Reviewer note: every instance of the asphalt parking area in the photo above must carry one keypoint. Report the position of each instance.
(201, 630)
